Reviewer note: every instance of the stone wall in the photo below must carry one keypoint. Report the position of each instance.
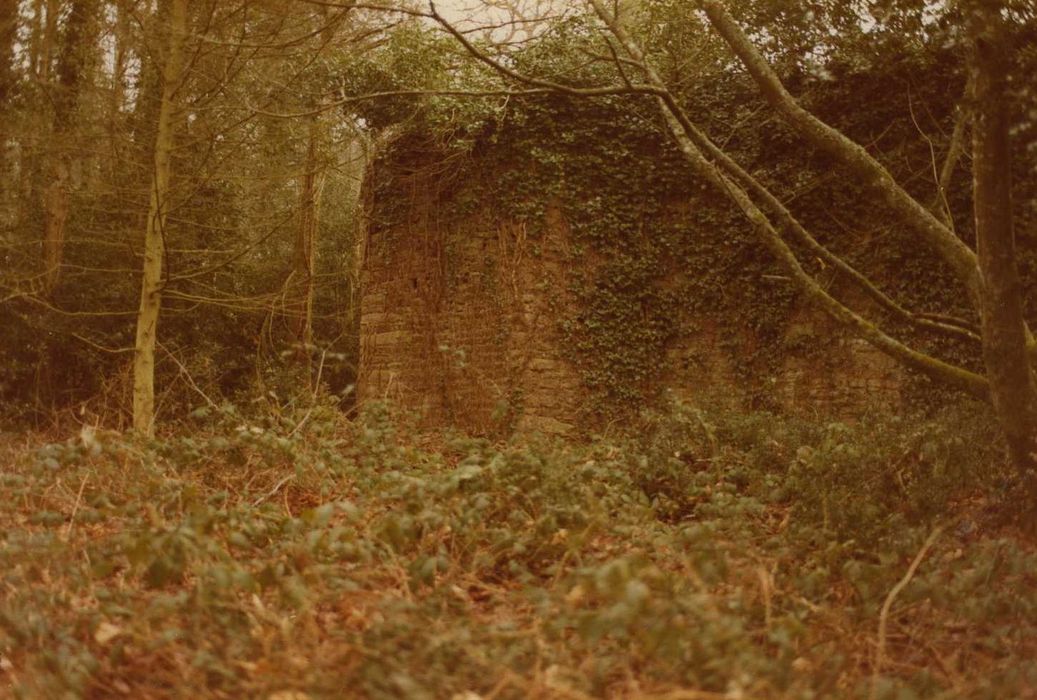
(461, 318)
(849, 378)
(458, 319)
(460, 323)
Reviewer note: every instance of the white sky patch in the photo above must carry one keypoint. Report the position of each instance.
(527, 14)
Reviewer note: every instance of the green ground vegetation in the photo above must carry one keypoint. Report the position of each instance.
(714, 556)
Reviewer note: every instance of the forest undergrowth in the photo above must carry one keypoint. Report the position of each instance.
(303, 555)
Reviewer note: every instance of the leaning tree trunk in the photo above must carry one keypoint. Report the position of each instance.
(154, 235)
(853, 156)
(1012, 385)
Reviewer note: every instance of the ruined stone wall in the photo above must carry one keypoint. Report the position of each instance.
(458, 319)
(849, 378)
(460, 322)
(467, 312)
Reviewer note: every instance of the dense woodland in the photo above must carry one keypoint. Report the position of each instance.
(196, 503)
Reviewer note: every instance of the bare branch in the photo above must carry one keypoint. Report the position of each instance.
(529, 80)
(955, 149)
(960, 258)
(677, 120)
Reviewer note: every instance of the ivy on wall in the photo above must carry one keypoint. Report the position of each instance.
(649, 256)
(655, 255)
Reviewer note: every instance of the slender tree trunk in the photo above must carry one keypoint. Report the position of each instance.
(304, 256)
(57, 195)
(50, 31)
(35, 38)
(41, 38)
(65, 92)
(118, 94)
(8, 38)
(1001, 311)
(154, 234)
(955, 148)
(8, 78)
(147, 95)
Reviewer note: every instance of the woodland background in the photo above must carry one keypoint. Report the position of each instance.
(195, 503)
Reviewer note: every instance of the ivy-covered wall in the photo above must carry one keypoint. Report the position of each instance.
(459, 310)
(632, 279)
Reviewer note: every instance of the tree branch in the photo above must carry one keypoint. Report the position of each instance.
(676, 120)
(955, 149)
(535, 82)
(960, 258)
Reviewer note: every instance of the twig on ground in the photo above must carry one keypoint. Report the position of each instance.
(272, 492)
(75, 508)
(880, 650)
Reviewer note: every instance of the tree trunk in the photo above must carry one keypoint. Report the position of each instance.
(154, 235)
(8, 78)
(65, 92)
(41, 38)
(121, 35)
(147, 95)
(1001, 311)
(57, 195)
(8, 38)
(46, 47)
(35, 38)
(305, 246)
